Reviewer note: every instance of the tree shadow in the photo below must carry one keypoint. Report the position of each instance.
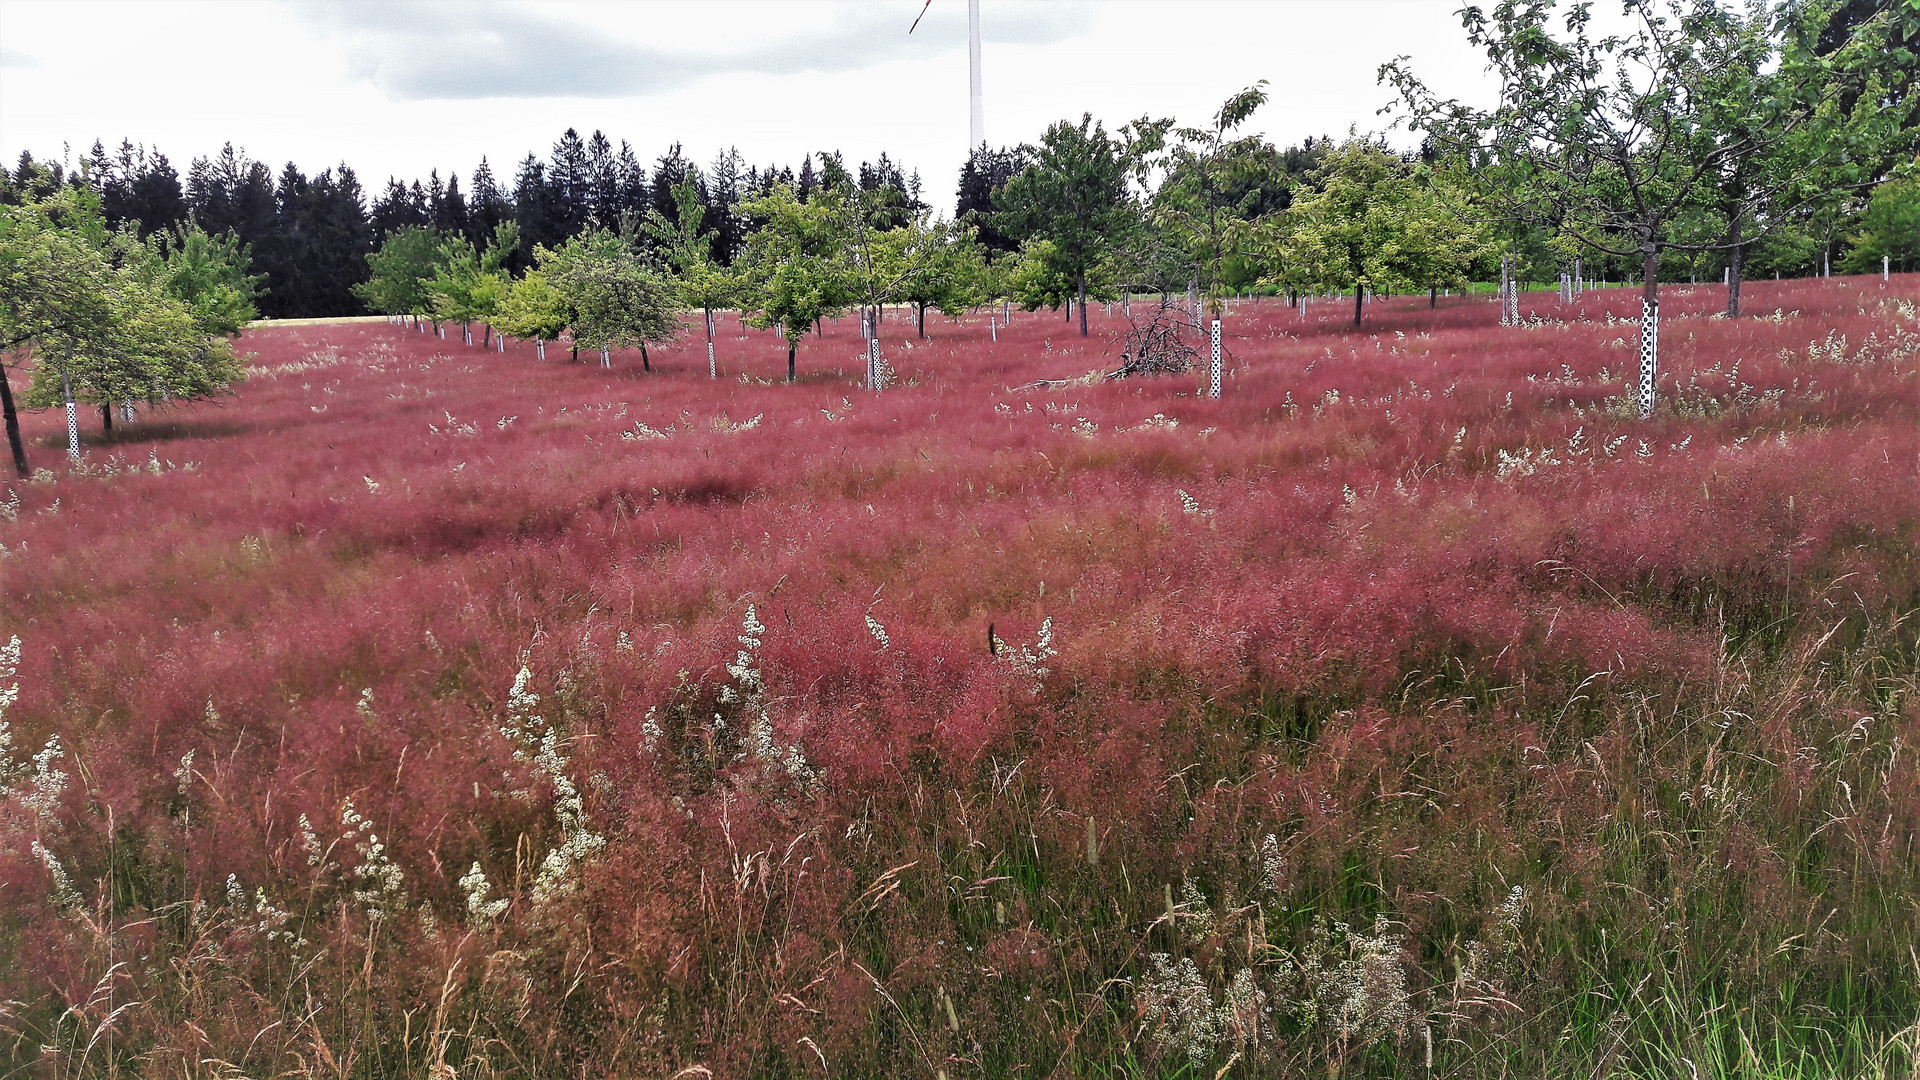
(151, 431)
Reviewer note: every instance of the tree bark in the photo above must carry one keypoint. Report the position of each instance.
(106, 418)
(1359, 297)
(1734, 269)
(790, 348)
(1080, 286)
(645, 364)
(486, 335)
(1433, 296)
(923, 320)
(13, 425)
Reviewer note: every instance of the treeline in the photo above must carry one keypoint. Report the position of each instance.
(310, 235)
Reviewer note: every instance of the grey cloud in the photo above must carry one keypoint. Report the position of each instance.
(417, 49)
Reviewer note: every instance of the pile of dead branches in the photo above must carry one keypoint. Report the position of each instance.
(1158, 346)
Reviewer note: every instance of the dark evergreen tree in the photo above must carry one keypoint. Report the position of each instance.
(488, 206)
(336, 240)
(671, 169)
(725, 188)
(530, 208)
(569, 189)
(985, 172)
(809, 183)
(395, 210)
(450, 212)
(632, 177)
(604, 203)
(158, 204)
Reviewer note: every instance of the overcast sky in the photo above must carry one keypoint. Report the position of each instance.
(398, 87)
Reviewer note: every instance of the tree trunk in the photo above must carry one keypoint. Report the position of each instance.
(106, 418)
(1433, 296)
(923, 320)
(13, 425)
(1081, 287)
(1359, 297)
(576, 350)
(645, 364)
(790, 348)
(1734, 268)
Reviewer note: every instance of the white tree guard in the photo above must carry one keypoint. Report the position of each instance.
(713, 366)
(606, 357)
(1649, 353)
(1886, 268)
(993, 327)
(540, 348)
(1213, 364)
(873, 363)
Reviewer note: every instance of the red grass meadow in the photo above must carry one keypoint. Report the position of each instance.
(1409, 710)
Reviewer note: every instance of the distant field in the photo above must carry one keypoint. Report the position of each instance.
(1410, 703)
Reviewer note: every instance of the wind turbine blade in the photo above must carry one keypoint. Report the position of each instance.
(922, 15)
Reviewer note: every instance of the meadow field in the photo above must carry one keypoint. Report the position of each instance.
(1410, 710)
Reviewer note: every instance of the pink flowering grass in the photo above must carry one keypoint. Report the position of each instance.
(1410, 618)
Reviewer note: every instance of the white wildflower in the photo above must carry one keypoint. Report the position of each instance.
(480, 911)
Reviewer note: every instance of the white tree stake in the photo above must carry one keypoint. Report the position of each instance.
(73, 419)
(1649, 353)
(606, 358)
(1213, 367)
(540, 348)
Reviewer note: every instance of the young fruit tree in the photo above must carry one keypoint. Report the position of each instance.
(1617, 140)
(1074, 195)
(613, 297)
(1373, 222)
(469, 285)
(703, 284)
(101, 315)
(533, 308)
(797, 265)
(400, 273)
(1211, 194)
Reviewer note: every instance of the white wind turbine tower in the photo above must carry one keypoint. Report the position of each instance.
(976, 125)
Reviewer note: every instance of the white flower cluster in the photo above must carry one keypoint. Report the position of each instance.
(749, 688)
(480, 911)
(1183, 1017)
(536, 742)
(379, 877)
(1032, 662)
(878, 631)
(1354, 981)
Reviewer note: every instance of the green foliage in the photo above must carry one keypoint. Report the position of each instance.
(401, 272)
(798, 266)
(1074, 195)
(612, 297)
(702, 284)
(1890, 227)
(467, 285)
(101, 312)
(1374, 222)
(1213, 194)
(209, 275)
(532, 308)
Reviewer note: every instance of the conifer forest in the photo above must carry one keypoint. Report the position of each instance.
(1440, 603)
